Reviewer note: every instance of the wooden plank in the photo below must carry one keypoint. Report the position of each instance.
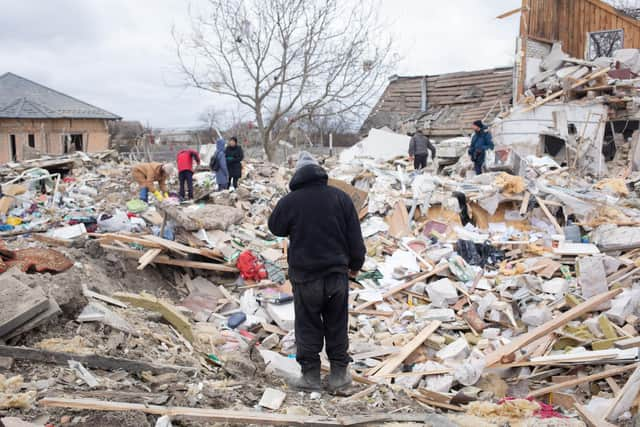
(550, 217)
(589, 418)
(581, 380)
(509, 13)
(92, 361)
(148, 257)
(559, 93)
(623, 401)
(442, 371)
(393, 291)
(163, 259)
(358, 197)
(396, 360)
(168, 310)
(90, 294)
(628, 343)
(219, 415)
(525, 203)
(548, 327)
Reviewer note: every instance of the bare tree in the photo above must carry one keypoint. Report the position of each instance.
(212, 119)
(628, 7)
(287, 60)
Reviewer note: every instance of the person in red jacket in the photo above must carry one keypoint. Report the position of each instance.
(185, 170)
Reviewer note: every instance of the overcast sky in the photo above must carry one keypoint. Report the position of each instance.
(119, 54)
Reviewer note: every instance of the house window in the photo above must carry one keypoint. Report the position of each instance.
(604, 43)
(31, 140)
(76, 142)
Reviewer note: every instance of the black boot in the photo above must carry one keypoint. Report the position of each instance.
(339, 378)
(309, 381)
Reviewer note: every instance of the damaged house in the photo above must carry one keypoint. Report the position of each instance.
(442, 105)
(37, 120)
(576, 83)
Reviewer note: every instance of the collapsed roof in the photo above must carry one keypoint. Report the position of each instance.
(444, 104)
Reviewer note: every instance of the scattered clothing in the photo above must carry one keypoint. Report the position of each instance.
(234, 156)
(218, 165)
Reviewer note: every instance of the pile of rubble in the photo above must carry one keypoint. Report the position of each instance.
(492, 300)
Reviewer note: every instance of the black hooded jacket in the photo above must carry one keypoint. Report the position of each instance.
(322, 225)
(234, 157)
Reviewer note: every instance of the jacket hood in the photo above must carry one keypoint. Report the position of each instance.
(307, 176)
(220, 144)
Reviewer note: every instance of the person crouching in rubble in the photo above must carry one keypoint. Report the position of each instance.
(419, 148)
(234, 156)
(326, 247)
(218, 165)
(185, 161)
(480, 143)
(146, 174)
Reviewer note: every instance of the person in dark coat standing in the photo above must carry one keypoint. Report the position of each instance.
(326, 246)
(218, 165)
(234, 155)
(419, 148)
(480, 143)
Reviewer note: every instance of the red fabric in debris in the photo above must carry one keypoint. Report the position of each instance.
(545, 411)
(250, 267)
(33, 259)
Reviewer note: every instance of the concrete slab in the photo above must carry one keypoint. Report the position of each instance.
(272, 399)
(52, 310)
(18, 304)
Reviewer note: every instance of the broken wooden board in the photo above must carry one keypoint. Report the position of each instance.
(92, 361)
(168, 311)
(581, 380)
(624, 400)
(226, 416)
(398, 221)
(548, 327)
(148, 257)
(163, 259)
(390, 364)
(358, 197)
(627, 343)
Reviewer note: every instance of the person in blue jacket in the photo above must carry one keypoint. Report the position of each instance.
(218, 165)
(480, 143)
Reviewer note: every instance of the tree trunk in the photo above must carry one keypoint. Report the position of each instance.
(269, 146)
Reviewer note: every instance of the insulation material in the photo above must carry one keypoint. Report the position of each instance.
(10, 396)
(616, 186)
(510, 184)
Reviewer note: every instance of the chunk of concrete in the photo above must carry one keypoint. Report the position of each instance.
(17, 422)
(536, 315)
(592, 277)
(423, 313)
(53, 310)
(272, 399)
(442, 293)
(19, 303)
(459, 349)
(96, 312)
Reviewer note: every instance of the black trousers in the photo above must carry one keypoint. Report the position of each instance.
(186, 177)
(233, 181)
(420, 161)
(322, 314)
(478, 162)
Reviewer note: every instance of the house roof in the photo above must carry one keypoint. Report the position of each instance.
(22, 98)
(454, 100)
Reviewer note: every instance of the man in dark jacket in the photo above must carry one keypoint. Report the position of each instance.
(419, 148)
(480, 143)
(234, 155)
(326, 246)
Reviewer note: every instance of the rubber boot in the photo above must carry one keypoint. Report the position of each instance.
(309, 381)
(339, 378)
